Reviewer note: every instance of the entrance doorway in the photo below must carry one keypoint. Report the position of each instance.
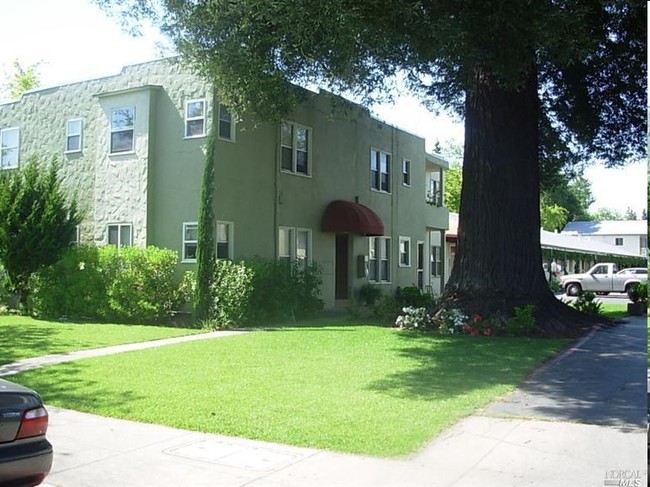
(342, 266)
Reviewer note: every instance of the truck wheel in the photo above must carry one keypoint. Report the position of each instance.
(573, 289)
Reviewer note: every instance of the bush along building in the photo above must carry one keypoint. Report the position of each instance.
(329, 184)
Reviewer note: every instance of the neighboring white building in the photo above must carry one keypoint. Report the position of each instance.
(628, 235)
(569, 251)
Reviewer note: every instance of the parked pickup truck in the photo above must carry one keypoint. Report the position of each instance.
(603, 279)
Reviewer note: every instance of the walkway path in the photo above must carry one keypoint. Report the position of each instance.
(59, 358)
(579, 421)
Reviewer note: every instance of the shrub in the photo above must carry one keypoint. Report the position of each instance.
(639, 293)
(73, 287)
(369, 294)
(587, 303)
(231, 291)
(413, 296)
(129, 285)
(283, 290)
(523, 322)
(141, 284)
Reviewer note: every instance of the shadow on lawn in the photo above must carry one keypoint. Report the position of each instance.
(62, 386)
(445, 367)
(16, 339)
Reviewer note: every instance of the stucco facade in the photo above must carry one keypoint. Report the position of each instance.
(136, 167)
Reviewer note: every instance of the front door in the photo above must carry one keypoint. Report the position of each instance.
(342, 266)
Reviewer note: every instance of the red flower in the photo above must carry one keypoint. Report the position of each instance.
(477, 318)
(487, 332)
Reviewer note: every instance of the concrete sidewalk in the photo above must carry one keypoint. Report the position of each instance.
(576, 422)
(91, 451)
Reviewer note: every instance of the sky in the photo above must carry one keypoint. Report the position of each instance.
(73, 40)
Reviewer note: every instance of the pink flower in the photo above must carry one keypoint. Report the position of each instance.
(477, 318)
(487, 332)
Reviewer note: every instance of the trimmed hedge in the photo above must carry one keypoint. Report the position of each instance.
(131, 284)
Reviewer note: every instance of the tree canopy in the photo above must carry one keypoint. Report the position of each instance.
(591, 56)
(37, 222)
(22, 79)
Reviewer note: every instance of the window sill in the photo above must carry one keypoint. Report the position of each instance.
(67, 152)
(375, 190)
(188, 261)
(292, 173)
(191, 137)
(125, 153)
(231, 140)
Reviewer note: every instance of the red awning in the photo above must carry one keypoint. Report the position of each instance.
(348, 217)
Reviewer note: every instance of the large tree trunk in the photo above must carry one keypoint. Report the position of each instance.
(498, 259)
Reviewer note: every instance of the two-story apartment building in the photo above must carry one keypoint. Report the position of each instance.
(357, 196)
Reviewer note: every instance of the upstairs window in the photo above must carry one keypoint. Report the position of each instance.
(406, 172)
(120, 235)
(122, 130)
(195, 118)
(380, 170)
(618, 241)
(295, 146)
(226, 124)
(9, 148)
(73, 132)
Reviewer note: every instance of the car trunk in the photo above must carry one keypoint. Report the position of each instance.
(14, 401)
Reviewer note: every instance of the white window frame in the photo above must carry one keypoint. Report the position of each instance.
(130, 128)
(380, 246)
(293, 244)
(407, 242)
(201, 118)
(77, 236)
(187, 241)
(231, 135)
(294, 149)
(406, 173)
(380, 164)
(4, 148)
(69, 134)
(230, 229)
(119, 226)
(436, 261)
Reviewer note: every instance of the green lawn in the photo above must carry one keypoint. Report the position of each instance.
(614, 311)
(24, 337)
(358, 389)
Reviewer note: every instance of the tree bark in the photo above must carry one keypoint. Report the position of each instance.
(498, 262)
